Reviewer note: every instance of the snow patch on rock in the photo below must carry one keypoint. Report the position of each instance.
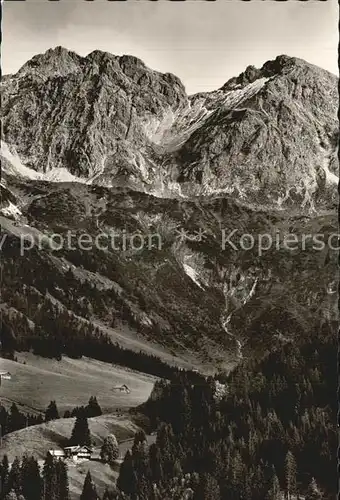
(62, 175)
(191, 272)
(16, 166)
(11, 211)
(331, 178)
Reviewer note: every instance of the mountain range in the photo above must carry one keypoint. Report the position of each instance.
(103, 144)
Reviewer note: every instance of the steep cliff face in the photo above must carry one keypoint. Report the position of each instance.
(87, 115)
(268, 136)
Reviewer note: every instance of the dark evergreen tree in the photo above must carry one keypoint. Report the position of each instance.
(51, 412)
(237, 472)
(127, 479)
(290, 475)
(80, 432)
(274, 492)
(30, 479)
(62, 480)
(140, 459)
(208, 488)
(313, 492)
(93, 409)
(16, 419)
(4, 475)
(89, 490)
(108, 495)
(140, 437)
(3, 420)
(112, 495)
(167, 446)
(14, 478)
(8, 342)
(181, 412)
(155, 459)
(50, 483)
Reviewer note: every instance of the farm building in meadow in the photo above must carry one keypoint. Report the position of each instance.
(5, 376)
(78, 452)
(122, 388)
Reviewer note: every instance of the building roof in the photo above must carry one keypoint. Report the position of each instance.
(78, 448)
(123, 387)
(57, 453)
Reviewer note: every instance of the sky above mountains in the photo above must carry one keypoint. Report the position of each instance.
(203, 43)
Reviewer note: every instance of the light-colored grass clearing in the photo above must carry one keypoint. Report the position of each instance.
(70, 383)
(102, 474)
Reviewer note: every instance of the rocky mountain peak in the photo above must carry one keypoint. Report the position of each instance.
(56, 61)
(59, 52)
(281, 65)
(129, 61)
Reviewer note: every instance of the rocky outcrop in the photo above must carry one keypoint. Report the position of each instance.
(277, 145)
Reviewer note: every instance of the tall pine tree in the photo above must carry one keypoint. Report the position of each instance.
(51, 412)
(30, 479)
(155, 461)
(274, 492)
(89, 490)
(4, 475)
(127, 480)
(62, 480)
(313, 492)
(93, 409)
(80, 432)
(290, 475)
(50, 483)
(208, 488)
(14, 479)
